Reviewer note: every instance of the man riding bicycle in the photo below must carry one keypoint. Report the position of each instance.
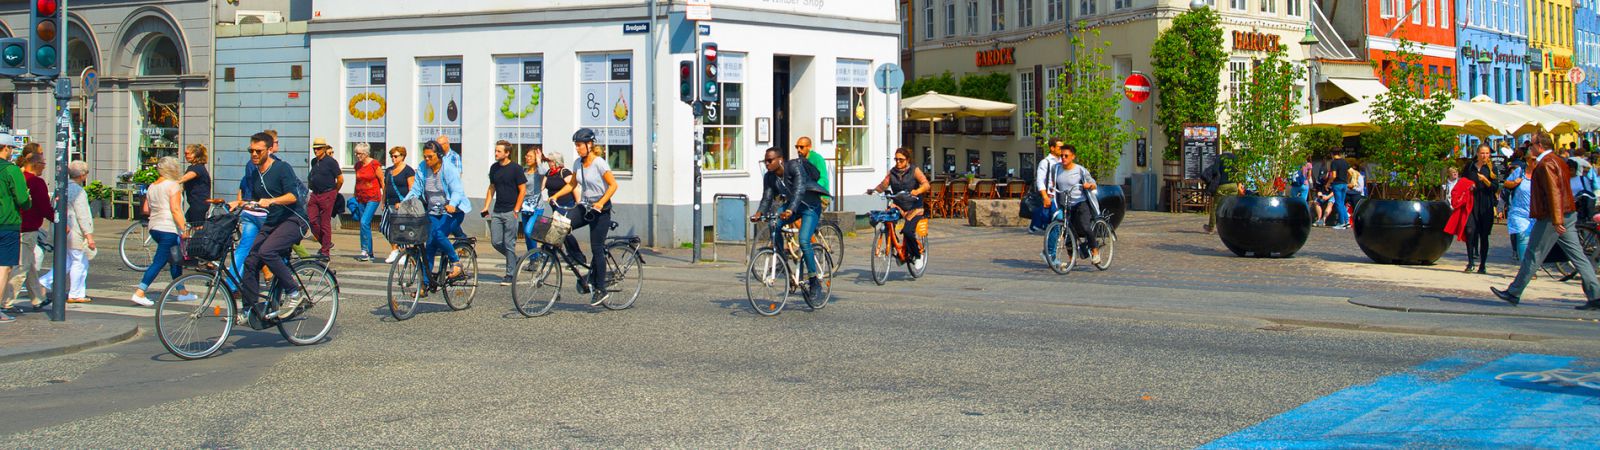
(796, 181)
(907, 183)
(274, 188)
(1071, 184)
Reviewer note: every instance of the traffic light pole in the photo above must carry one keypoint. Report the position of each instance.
(699, 150)
(58, 263)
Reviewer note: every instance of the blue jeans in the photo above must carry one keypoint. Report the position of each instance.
(249, 227)
(1041, 217)
(1301, 192)
(1519, 245)
(439, 237)
(528, 219)
(808, 215)
(364, 212)
(167, 254)
(1339, 190)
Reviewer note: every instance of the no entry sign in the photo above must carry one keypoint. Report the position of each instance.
(1137, 87)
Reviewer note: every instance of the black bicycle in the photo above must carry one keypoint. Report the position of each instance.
(536, 284)
(414, 275)
(194, 329)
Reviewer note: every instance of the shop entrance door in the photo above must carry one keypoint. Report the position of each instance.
(79, 145)
(781, 87)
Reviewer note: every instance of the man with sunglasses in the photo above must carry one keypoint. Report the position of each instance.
(803, 145)
(276, 190)
(795, 180)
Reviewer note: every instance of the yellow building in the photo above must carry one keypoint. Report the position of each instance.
(1550, 42)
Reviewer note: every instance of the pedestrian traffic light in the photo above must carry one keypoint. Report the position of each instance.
(43, 56)
(13, 57)
(686, 82)
(708, 76)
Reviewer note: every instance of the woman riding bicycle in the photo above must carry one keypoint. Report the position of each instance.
(908, 184)
(595, 186)
(441, 192)
(796, 181)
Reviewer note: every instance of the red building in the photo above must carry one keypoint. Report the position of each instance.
(1427, 23)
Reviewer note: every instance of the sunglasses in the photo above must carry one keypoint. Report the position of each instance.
(802, 146)
(771, 160)
(257, 152)
(899, 160)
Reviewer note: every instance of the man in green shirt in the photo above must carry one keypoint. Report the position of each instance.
(13, 199)
(803, 145)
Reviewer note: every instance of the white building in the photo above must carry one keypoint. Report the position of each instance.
(399, 73)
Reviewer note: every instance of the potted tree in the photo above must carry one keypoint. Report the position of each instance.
(1186, 60)
(1403, 225)
(1082, 111)
(1265, 222)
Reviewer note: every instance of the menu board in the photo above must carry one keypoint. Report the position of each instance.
(1200, 148)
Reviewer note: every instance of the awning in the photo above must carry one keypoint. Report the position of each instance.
(1359, 88)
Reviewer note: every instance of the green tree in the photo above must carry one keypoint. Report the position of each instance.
(944, 84)
(987, 86)
(1187, 61)
(1408, 141)
(1084, 111)
(1260, 121)
(1319, 142)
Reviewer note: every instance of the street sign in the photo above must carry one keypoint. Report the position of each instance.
(90, 80)
(698, 10)
(1137, 87)
(889, 78)
(1575, 75)
(635, 27)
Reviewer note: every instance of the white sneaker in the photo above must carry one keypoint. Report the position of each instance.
(189, 297)
(392, 255)
(141, 300)
(290, 302)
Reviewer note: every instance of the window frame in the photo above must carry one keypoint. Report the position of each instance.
(717, 120)
(621, 161)
(517, 136)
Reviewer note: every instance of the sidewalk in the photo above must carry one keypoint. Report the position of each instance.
(34, 336)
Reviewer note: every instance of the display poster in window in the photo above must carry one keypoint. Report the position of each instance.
(439, 99)
(519, 99)
(853, 73)
(1200, 148)
(367, 104)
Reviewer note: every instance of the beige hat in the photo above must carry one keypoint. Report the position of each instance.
(320, 143)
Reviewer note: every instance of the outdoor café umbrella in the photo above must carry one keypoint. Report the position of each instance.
(934, 106)
(1588, 118)
(1352, 119)
(1546, 122)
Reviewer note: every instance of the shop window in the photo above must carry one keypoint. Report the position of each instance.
(1028, 109)
(724, 121)
(997, 15)
(997, 165)
(367, 109)
(1027, 163)
(159, 119)
(853, 79)
(606, 104)
(949, 17)
(949, 160)
(1024, 13)
(972, 17)
(519, 96)
(439, 104)
(79, 56)
(160, 57)
(973, 163)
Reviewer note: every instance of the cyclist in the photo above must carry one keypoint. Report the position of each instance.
(595, 186)
(440, 189)
(1071, 184)
(796, 181)
(276, 189)
(907, 183)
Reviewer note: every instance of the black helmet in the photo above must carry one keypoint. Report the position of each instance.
(583, 135)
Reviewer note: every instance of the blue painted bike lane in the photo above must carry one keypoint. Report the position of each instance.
(1452, 402)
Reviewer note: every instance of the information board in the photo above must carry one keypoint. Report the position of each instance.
(1200, 148)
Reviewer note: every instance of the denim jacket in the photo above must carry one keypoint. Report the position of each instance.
(449, 179)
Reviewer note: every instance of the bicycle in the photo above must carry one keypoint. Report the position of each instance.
(1075, 246)
(137, 247)
(832, 239)
(886, 242)
(775, 275)
(409, 281)
(181, 326)
(542, 269)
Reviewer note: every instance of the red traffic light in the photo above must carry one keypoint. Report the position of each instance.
(686, 69)
(45, 7)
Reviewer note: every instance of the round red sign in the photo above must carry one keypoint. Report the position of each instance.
(1137, 88)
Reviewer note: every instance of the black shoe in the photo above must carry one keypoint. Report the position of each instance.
(1469, 268)
(815, 287)
(42, 306)
(1481, 270)
(1590, 306)
(1503, 295)
(583, 287)
(599, 297)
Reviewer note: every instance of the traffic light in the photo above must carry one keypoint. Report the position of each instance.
(13, 57)
(708, 77)
(686, 82)
(44, 59)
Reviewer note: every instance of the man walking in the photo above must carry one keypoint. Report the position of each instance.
(13, 199)
(325, 178)
(1042, 184)
(507, 186)
(1339, 174)
(803, 146)
(1552, 209)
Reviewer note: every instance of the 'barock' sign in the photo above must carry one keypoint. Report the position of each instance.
(1251, 41)
(997, 57)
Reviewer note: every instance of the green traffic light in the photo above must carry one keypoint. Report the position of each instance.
(45, 56)
(13, 55)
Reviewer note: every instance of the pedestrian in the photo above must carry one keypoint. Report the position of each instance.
(1299, 183)
(1462, 201)
(196, 183)
(325, 179)
(80, 236)
(396, 184)
(534, 169)
(561, 192)
(33, 163)
(1517, 221)
(803, 146)
(507, 187)
(452, 161)
(1552, 210)
(1339, 175)
(1045, 187)
(163, 202)
(1485, 184)
(14, 199)
(1451, 176)
(1323, 203)
(1220, 185)
(369, 193)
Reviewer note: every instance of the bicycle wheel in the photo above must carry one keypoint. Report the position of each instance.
(824, 264)
(458, 292)
(766, 282)
(919, 266)
(1107, 239)
(536, 287)
(138, 249)
(406, 284)
(624, 276)
(881, 252)
(1066, 248)
(197, 328)
(832, 239)
(311, 322)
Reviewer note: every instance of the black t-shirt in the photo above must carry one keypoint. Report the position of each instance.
(398, 185)
(324, 172)
(1341, 171)
(505, 179)
(554, 183)
(279, 179)
(198, 189)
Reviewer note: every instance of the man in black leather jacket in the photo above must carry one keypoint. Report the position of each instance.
(794, 180)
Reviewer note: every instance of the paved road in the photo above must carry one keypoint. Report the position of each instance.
(965, 357)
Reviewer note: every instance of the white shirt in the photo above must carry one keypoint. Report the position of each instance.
(1043, 172)
(158, 197)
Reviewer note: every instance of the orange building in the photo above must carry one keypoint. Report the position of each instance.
(1428, 23)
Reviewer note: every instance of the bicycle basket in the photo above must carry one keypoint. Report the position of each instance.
(551, 229)
(407, 224)
(211, 238)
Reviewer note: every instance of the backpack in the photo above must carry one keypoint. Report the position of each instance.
(210, 238)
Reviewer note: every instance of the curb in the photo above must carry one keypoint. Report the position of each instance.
(1373, 303)
(70, 349)
(1443, 332)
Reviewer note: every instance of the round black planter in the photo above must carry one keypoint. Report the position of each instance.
(1114, 201)
(1402, 232)
(1269, 227)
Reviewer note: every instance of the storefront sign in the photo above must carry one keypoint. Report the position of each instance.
(1558, 62)
(1495, 55)
(1535, 59)
(1251, 41)
(997, 57)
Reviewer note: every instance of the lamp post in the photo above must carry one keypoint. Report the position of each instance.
(1309, 43)
(1484, 63)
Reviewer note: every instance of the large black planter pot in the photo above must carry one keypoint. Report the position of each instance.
(1402, 232)
(1269, 227)
(1112, 200)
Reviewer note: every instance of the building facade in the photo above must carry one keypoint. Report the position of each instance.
(532, 72)
(1429, 24)
(1493, 50)
(1586, 49)
(1550, 41)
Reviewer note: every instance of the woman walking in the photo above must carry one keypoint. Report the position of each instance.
(1485, 186)
(196, 183)
(533, 200)
(369, 191)
(80, 235)
(163, 202)
(397, 183)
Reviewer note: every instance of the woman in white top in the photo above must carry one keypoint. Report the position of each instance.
(163, 201)
(80, 235)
